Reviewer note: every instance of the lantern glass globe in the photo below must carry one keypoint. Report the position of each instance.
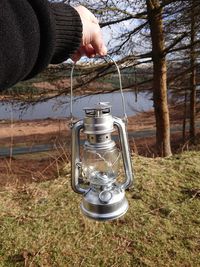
(100, 166)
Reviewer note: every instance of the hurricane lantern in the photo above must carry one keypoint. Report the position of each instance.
(103, 195)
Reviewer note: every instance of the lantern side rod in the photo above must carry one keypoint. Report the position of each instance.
(76, 162)
(125, 153)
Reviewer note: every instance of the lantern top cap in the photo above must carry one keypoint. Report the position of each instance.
(99, 109)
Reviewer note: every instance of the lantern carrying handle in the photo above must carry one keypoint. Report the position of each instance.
(120, 87)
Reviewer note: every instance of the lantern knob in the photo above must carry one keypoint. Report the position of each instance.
(105, 196)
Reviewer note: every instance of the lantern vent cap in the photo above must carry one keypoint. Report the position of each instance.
(100, 109)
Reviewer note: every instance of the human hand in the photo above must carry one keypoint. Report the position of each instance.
(92, 39)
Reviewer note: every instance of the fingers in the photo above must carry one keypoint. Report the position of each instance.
(97, 47)
(86, 50)
(89, 51)
(98, 44)
(76, 56)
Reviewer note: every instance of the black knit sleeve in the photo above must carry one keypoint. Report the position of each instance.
(19, 41)
(60, 33)
(68, 31)
(34, 33)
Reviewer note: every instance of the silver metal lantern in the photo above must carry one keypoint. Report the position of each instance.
(103, 195)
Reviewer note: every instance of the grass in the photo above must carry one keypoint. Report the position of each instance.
(41, 224)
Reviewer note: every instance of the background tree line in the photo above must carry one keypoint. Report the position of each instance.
(157, 45)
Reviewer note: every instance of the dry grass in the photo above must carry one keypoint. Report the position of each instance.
(41, 224)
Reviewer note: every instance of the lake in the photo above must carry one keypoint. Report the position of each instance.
(60, 108)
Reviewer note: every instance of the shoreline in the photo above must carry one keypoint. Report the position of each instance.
(18, 169)
(40, 129)
(51, 130)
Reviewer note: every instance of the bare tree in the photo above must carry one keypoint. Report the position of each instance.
(193, 74)
(154, 11)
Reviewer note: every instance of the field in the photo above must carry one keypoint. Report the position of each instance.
(41, 223)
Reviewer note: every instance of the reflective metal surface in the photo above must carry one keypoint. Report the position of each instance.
(106, 205)
(103, 199)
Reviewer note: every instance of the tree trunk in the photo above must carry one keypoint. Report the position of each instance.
(192, 77)
(184, 116)
(159, 78)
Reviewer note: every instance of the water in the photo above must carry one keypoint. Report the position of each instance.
(60, 108)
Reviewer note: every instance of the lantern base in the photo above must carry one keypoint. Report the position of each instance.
(103, 207)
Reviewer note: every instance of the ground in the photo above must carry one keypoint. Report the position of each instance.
(41, 223)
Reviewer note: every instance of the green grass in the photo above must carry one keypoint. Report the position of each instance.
(41, 224)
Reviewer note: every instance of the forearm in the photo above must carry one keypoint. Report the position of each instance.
(33, 34)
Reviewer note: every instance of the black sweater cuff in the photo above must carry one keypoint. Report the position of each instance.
(68, 27)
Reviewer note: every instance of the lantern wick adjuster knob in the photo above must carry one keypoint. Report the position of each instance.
(105, 196)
